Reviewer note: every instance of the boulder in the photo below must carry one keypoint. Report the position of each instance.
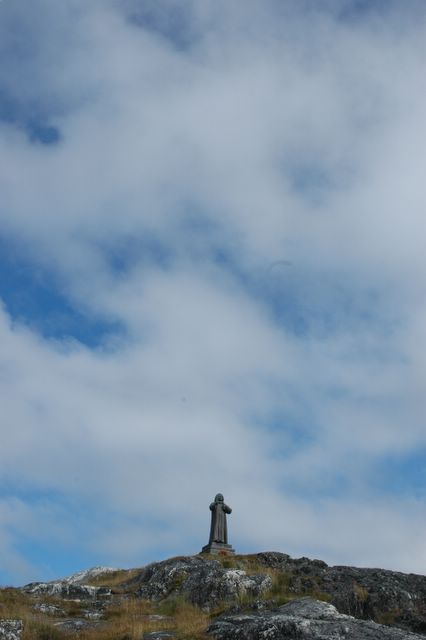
(11, 629)
(77, 625)
(49, 609)
(303, 619)
(383, 595)
(203, 582)
(66, 590)
(73, 587)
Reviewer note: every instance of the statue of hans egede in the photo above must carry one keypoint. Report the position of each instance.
(218, 540)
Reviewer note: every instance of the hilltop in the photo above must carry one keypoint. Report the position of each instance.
(222, 597)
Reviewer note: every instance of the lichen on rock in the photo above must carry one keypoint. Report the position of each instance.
(303, 619)
(203, 582)
(11, 629)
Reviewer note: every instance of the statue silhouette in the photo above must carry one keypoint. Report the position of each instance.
(219, 527)
(218, 540)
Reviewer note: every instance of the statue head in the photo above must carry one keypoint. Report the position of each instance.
(219, 497)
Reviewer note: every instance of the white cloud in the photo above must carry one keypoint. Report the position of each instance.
(272, 139)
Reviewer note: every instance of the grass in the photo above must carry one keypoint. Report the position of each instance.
(191, 622)
(39, 630)
(361, 593)
(13, 603)
(388, 617)
(130, 620)
(16, 605)
(282, 590)
(249, 564)
(128, 617)
(133, 608)
(125, 619)
(113, 578)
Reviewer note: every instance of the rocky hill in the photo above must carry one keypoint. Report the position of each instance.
(266, 595)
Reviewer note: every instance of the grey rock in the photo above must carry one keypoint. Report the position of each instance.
(49, 609)
(304, 619)
(368, 594)
(92, 615)
(66, 590)
(76, 624)
(72, 624)
(203, 582)
(380, 594)
(11, 629)
(73, 586)
(84, 576)
(253, 605)
(159, 635)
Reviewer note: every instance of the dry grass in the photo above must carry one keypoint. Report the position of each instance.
(125, 619)
(249, 563)
(16, 605)
(114, 578)
(35, 629)
(282, 590)
(361, 593)
(388, 618)
(191, 621)
(13, 603)
(133, 608)
(128, 617)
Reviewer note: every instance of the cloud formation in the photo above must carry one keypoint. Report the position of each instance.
(233, 195)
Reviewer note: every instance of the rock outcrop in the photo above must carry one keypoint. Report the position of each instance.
(67, 591)
(343, 602)
(73, 586)
(304, 619)
(11, 629)
(379, 594)
(203, 582)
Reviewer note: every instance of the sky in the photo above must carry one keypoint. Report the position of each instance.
(212, 279)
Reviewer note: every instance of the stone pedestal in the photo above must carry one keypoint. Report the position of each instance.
(217, 548)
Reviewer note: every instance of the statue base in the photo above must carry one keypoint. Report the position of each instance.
(218, 548)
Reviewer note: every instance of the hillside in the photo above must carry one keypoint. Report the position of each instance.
(266, 594)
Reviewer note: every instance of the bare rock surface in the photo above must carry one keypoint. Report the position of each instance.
(303, 619)
(202, 581)
(84, 576)
(391, 596)
(49, 609)
(76, 625)
(73, 586)
(67, 591)
(11, 629)
(247, 590)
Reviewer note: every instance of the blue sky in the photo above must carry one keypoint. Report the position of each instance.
(212, 277)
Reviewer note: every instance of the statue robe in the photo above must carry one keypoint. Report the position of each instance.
(219, 528)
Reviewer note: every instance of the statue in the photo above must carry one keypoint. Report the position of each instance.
(218, 540)
(219, 528)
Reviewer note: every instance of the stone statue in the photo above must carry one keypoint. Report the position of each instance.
(219, 527)
(218, 540)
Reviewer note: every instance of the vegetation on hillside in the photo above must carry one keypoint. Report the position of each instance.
(124, 615)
